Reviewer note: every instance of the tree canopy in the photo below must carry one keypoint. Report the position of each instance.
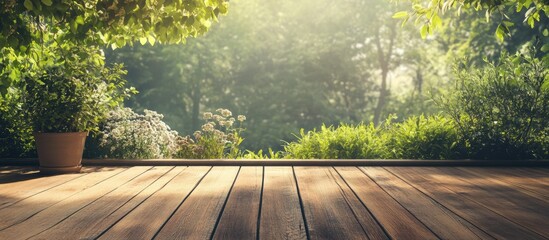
(429, 17)
(116, 23)
(26, 25)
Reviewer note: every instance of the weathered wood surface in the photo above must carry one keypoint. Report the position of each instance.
(157, 208)
(239, 218)
(275, 202)
(197, 216)
(432, 183)
(326, 210)
(281, 215)
(397, 220)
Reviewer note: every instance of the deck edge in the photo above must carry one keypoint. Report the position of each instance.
(289, 162)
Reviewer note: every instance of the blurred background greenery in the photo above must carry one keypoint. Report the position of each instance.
(293, 66)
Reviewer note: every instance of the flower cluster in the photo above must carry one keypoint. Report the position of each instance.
(218, 137)
(130, 135)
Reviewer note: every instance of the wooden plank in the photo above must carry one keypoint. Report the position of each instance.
(156, 209)
(240, 216)
(61, 210)
(395, 219)
(197, 216)
(528, 175)
(490, 222)
(96, 217)
(443, 223)
(541, 172)
(281, 216)
(30, 206)
(522, 209)
(365, 218)
(522, 184)
(14, 188)
(327, 214)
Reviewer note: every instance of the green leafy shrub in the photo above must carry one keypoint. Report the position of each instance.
(343, 142)
(270, 154)
(71, 90)
(16, 138)
(433, 137)
(420, 137)
(129, 135)
(502, 110)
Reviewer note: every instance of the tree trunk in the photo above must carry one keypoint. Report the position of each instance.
(384, 60)
(197, 95)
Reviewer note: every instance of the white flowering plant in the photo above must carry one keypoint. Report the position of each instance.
(218, 138)
(129, 135)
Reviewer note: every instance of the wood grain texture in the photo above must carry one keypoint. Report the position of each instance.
(396, 220)
(60, 210)
(157, 208)
(239, 219)
(281, 216)
(24, 209)
(365, 218)
(529, 212)
(510, 177)
(276, 203)
(428, 182)
(23, 184)
(538, 172)
(443, 223)
(197, 216)
(95, 215)
(326, 210)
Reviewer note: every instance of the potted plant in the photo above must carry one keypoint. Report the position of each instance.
(67, 94)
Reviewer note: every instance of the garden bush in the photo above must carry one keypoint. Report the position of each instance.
(129, 135)
(16, 138)
(420, 137)
(501, 111)
(343, 142)
(432, 137)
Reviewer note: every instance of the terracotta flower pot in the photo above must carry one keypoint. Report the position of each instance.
(60, 152)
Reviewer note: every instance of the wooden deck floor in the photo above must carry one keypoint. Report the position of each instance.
(197, 202)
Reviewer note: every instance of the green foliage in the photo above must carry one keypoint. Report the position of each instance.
(343, 142)
(71, 89)
(128, 135)
(270, 154)
(429, 17)
(502, 110)
(420, 137)
(25, 24)
(285, 70)
(108, 22)
(16, 138)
